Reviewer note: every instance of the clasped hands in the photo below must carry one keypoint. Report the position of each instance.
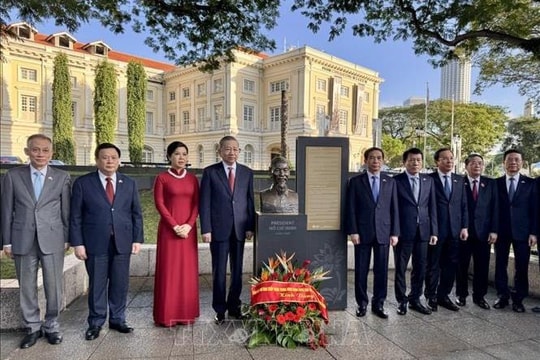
(182, 230)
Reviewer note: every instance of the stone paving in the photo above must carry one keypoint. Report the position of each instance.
(471, 333)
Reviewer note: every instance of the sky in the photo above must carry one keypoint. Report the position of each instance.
(405, 74)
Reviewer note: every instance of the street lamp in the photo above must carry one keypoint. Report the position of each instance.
(456, 149)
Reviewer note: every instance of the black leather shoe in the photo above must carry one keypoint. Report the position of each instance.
(123, 328)
(482, 303)
(379, 311)
(461, 301)
(30, 339)
(54, 338)
(536, 309)
(418, 306)
(518, 307)
(236, 315)
(219, 318)
(448, 304)
(500, 303)
(432, 303)
(360, 311)
(92, 332)
(402, 308)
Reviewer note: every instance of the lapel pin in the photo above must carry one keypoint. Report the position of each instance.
(49, 178)
(482, 184)
(120, 181)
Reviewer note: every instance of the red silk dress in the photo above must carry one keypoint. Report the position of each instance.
(176, 287)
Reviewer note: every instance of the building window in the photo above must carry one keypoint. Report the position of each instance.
(249, 116)
(28, 103)
(321, 85)
(343, 115)
(149, 122)
(25, 33)
(249, 86)
(248, 155)
(29, 74)
(275, 118)
(216, 151)
(344, 91)
(364, 124)
(200, 152)
(100, 50)
(63, 41)
(277, 86)
(147, 155)
(172, 123)
(218, 116)
(185, 117)
(74, 116)
(185, 92)
(73, 82)
(172, 96)
(201, 117)
(201, 89)
(149, 95)
(366, 96)
(218, 85)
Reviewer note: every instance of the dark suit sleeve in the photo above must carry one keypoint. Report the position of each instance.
(394, 211)
(136, 215)
(434, 226)
(464, 208)
(75, 215)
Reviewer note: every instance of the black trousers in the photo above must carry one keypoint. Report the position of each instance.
(402, 254)
(480, 252)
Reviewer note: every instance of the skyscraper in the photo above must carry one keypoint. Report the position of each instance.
(456, 81)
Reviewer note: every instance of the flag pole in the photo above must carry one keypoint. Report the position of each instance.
(425, 118)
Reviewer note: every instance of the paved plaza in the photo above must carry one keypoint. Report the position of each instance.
(471, 333)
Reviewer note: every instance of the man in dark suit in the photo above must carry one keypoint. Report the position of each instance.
(106, 227)
(518, 217)
(452, 222)
(227, 216)
(483, 205)
(418, 227)
(35, 220)
(372, 222)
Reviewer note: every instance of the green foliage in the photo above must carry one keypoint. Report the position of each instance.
(524, 134)
(393, 150)
(63, 142)
(479, 126)
(105, 102)
(136, 109)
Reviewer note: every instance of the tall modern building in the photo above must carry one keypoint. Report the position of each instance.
(415, 100)
(456, 81)
(529, 110)
(325, 95)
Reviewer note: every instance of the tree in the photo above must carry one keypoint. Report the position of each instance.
(524, 134)
(105, 102)
(64, 145)
(136, 109)
(393, 150)
(479, 126)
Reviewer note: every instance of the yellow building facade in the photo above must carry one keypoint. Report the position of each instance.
(325, 95)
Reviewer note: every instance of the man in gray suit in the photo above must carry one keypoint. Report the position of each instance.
(35, 223)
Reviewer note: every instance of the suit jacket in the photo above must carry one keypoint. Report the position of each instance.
(483, 213)
(413, 215)
(222, 211)
(518, 218)
(24, 217)
(93, 219)
(452, 214)
(373, 221)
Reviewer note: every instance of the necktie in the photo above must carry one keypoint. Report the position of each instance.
(231, 178)
(475, 190)
(375, 188)
(38, 184)
(511, 189)
(109, 190)
(415, 189)
(447, 190)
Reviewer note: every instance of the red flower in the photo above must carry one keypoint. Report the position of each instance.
(306, 263)
(272, 308)
(297, 318)
(289, 315)
(281, 319)
(300, 311)
(312, 306)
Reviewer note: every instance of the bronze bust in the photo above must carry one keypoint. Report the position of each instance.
(278, 198)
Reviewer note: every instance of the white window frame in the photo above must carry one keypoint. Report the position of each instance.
(278, 86)
(149, 95)
(172, 95)
(186, 93)
(28, 74)
(249, 86)
(249, 117)
(217, 85)
(172, 123)
(149, 128)
(344, 91)
(28, 104)
(275, 118)
(321, 85)
(201, 89)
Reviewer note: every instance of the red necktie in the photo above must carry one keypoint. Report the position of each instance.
(475, 190)
(109, 190)
(231, 178)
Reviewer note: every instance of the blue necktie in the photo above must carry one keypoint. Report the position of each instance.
(447, 190)
(38, 184)
(415, 189)
(375, 188)
(511, 189)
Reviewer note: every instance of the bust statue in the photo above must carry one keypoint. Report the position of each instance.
(278, 198)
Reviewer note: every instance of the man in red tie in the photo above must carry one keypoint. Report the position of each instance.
(483, 207)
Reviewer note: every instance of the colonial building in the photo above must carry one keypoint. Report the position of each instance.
(325, 96)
